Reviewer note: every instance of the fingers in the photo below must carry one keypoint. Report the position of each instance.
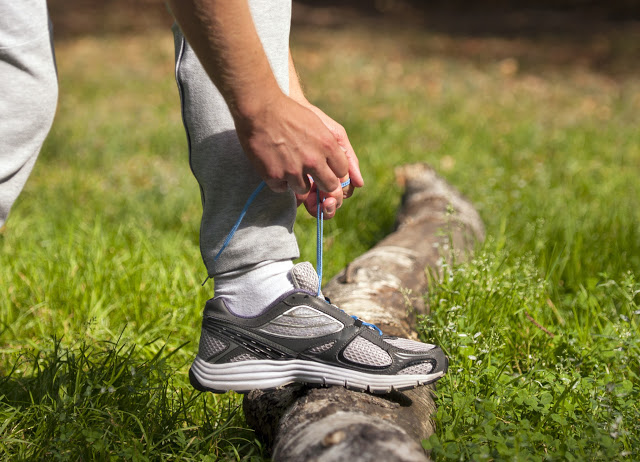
(337, 195)
(326, 174)
(342, 139)
(299, 185)
(329, 202)
(347, 191)
(301, 198)
(329, 208)
(277, 186)
(354, 170)
(354, 164)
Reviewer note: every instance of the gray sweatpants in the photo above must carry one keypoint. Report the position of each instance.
(28, 97)
(28, 92)
(218, 162)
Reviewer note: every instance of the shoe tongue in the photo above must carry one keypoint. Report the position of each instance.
(304, 277)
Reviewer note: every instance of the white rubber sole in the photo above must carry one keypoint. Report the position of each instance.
(267, 374)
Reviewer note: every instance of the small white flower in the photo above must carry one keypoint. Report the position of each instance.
(472, 358)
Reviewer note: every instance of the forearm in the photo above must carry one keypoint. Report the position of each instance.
(285, 141)
(223, 35)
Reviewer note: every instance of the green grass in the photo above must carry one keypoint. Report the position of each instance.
(531, 378)
(100, 270)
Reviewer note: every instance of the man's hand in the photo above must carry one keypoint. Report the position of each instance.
(341, 137)
(285, 138)
(331, 201)
(286, 142)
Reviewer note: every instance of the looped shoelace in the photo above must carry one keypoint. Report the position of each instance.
(319, 238)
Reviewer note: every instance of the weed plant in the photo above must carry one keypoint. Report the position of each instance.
(100, 296)
(531, 379)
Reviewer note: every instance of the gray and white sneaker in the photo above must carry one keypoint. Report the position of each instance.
(303, 338)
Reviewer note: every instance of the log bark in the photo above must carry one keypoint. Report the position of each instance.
(384, 286)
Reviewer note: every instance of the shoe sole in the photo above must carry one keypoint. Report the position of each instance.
(245, 376)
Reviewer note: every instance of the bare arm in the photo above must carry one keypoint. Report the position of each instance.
(284, 140)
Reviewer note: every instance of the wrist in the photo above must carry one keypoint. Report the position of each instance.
(297, 95)
(248, 106)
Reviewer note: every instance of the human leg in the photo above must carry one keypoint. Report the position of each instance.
(264, 245)
(28, 93)
(267, 326)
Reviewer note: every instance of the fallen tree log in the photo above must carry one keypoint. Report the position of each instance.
(383, 286)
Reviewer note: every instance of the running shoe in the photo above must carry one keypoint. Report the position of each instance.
(303, 338)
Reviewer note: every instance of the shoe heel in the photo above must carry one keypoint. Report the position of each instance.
(195, 383)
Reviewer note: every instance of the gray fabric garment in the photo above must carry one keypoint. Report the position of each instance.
(218, 162)
(28, 92)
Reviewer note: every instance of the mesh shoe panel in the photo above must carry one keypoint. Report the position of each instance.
(418, 369)
(362, 351)
(303, 322)
(210, 346)
(410, 345)
(305, 277)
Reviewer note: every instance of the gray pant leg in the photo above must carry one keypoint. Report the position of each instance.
(28, 92)
(218, 162)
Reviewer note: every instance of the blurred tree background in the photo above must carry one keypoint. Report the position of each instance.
(80, 17)
(600, 36)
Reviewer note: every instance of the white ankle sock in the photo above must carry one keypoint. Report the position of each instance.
(249, 291)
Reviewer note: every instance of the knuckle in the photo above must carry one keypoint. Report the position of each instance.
(274, 172)
(327, 142)
(311, 163)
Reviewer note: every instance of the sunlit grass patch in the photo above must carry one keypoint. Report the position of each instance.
(529, 379)
(94, 401)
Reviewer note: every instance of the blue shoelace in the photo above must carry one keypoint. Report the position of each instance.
(319, 238)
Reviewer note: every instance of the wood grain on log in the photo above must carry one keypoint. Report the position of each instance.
(383, 286)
